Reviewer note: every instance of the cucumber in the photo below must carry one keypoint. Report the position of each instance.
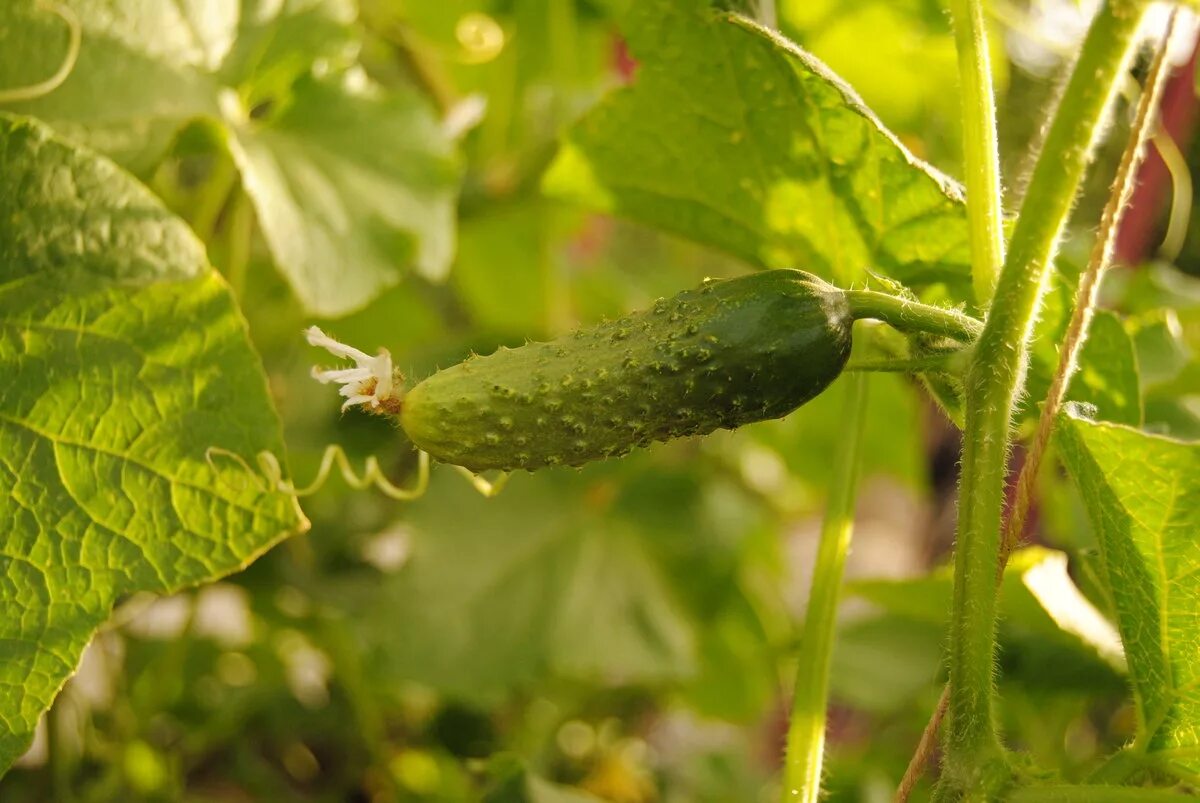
(728, 353)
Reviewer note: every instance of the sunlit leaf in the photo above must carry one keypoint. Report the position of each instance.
(1142, 493)
(131, 407)
(734, 137)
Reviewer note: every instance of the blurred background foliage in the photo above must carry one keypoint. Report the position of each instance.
(622, 632)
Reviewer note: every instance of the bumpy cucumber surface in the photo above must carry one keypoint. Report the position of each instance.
(728, 353)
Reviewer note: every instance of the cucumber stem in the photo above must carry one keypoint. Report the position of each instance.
(806, 727)
(913, 365)
(975, 764)
(912, 317)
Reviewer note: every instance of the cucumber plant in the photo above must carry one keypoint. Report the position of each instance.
(141, 392)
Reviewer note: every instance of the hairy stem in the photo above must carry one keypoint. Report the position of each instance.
(912, 317)
(1073, 342)
(1085, 295)
(914, 365)
(806, 729)
(975, 762)
(981, 151)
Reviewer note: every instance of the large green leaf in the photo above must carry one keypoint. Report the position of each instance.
(733, 136)
(125, 364)
(351, 184)
(1142, 493)
(546, 580)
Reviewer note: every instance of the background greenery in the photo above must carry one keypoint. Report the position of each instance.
(621, 632)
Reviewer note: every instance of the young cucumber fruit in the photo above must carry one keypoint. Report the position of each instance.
(728, 353)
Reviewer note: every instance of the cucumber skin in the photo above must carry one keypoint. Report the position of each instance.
(728, 353)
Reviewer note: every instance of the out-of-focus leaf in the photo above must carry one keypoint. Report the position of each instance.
(806, 437)
(513, 783)
(498, 593)
(504, 270)
(881, 663)
(908, 75)
(352, 184)
(1170, 373)
(1095, 794)
(1036, 596)
(125, 361)
(1142, 494)
(736, 138)
(1106, 375)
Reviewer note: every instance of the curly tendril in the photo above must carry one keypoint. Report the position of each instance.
(75, 31)
(269, 476)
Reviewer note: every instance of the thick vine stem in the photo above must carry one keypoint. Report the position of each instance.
(981, 151)
(806, 727)
(1141, 133)
(975, 766)
(912, 317)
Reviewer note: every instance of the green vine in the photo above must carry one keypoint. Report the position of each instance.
(975, 766)
(806, 726)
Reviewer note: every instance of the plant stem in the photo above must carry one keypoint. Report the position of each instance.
(1073, 342)
(981, 151)
(806, 728)
(912, 317)
(1076, 335)
(914, 365)
(974, 759)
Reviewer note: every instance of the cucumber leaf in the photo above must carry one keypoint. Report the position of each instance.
(353, 185)
(733, 136)
(131, 407)
(1141, 493)
(550, 583)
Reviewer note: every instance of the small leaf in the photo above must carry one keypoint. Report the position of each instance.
(1106, 376)
(132, 406)
(733, 136)
(1142, 494)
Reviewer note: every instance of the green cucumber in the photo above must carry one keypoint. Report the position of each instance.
(728, 353)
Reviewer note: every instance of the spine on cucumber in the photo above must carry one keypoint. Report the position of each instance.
(728, 353)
